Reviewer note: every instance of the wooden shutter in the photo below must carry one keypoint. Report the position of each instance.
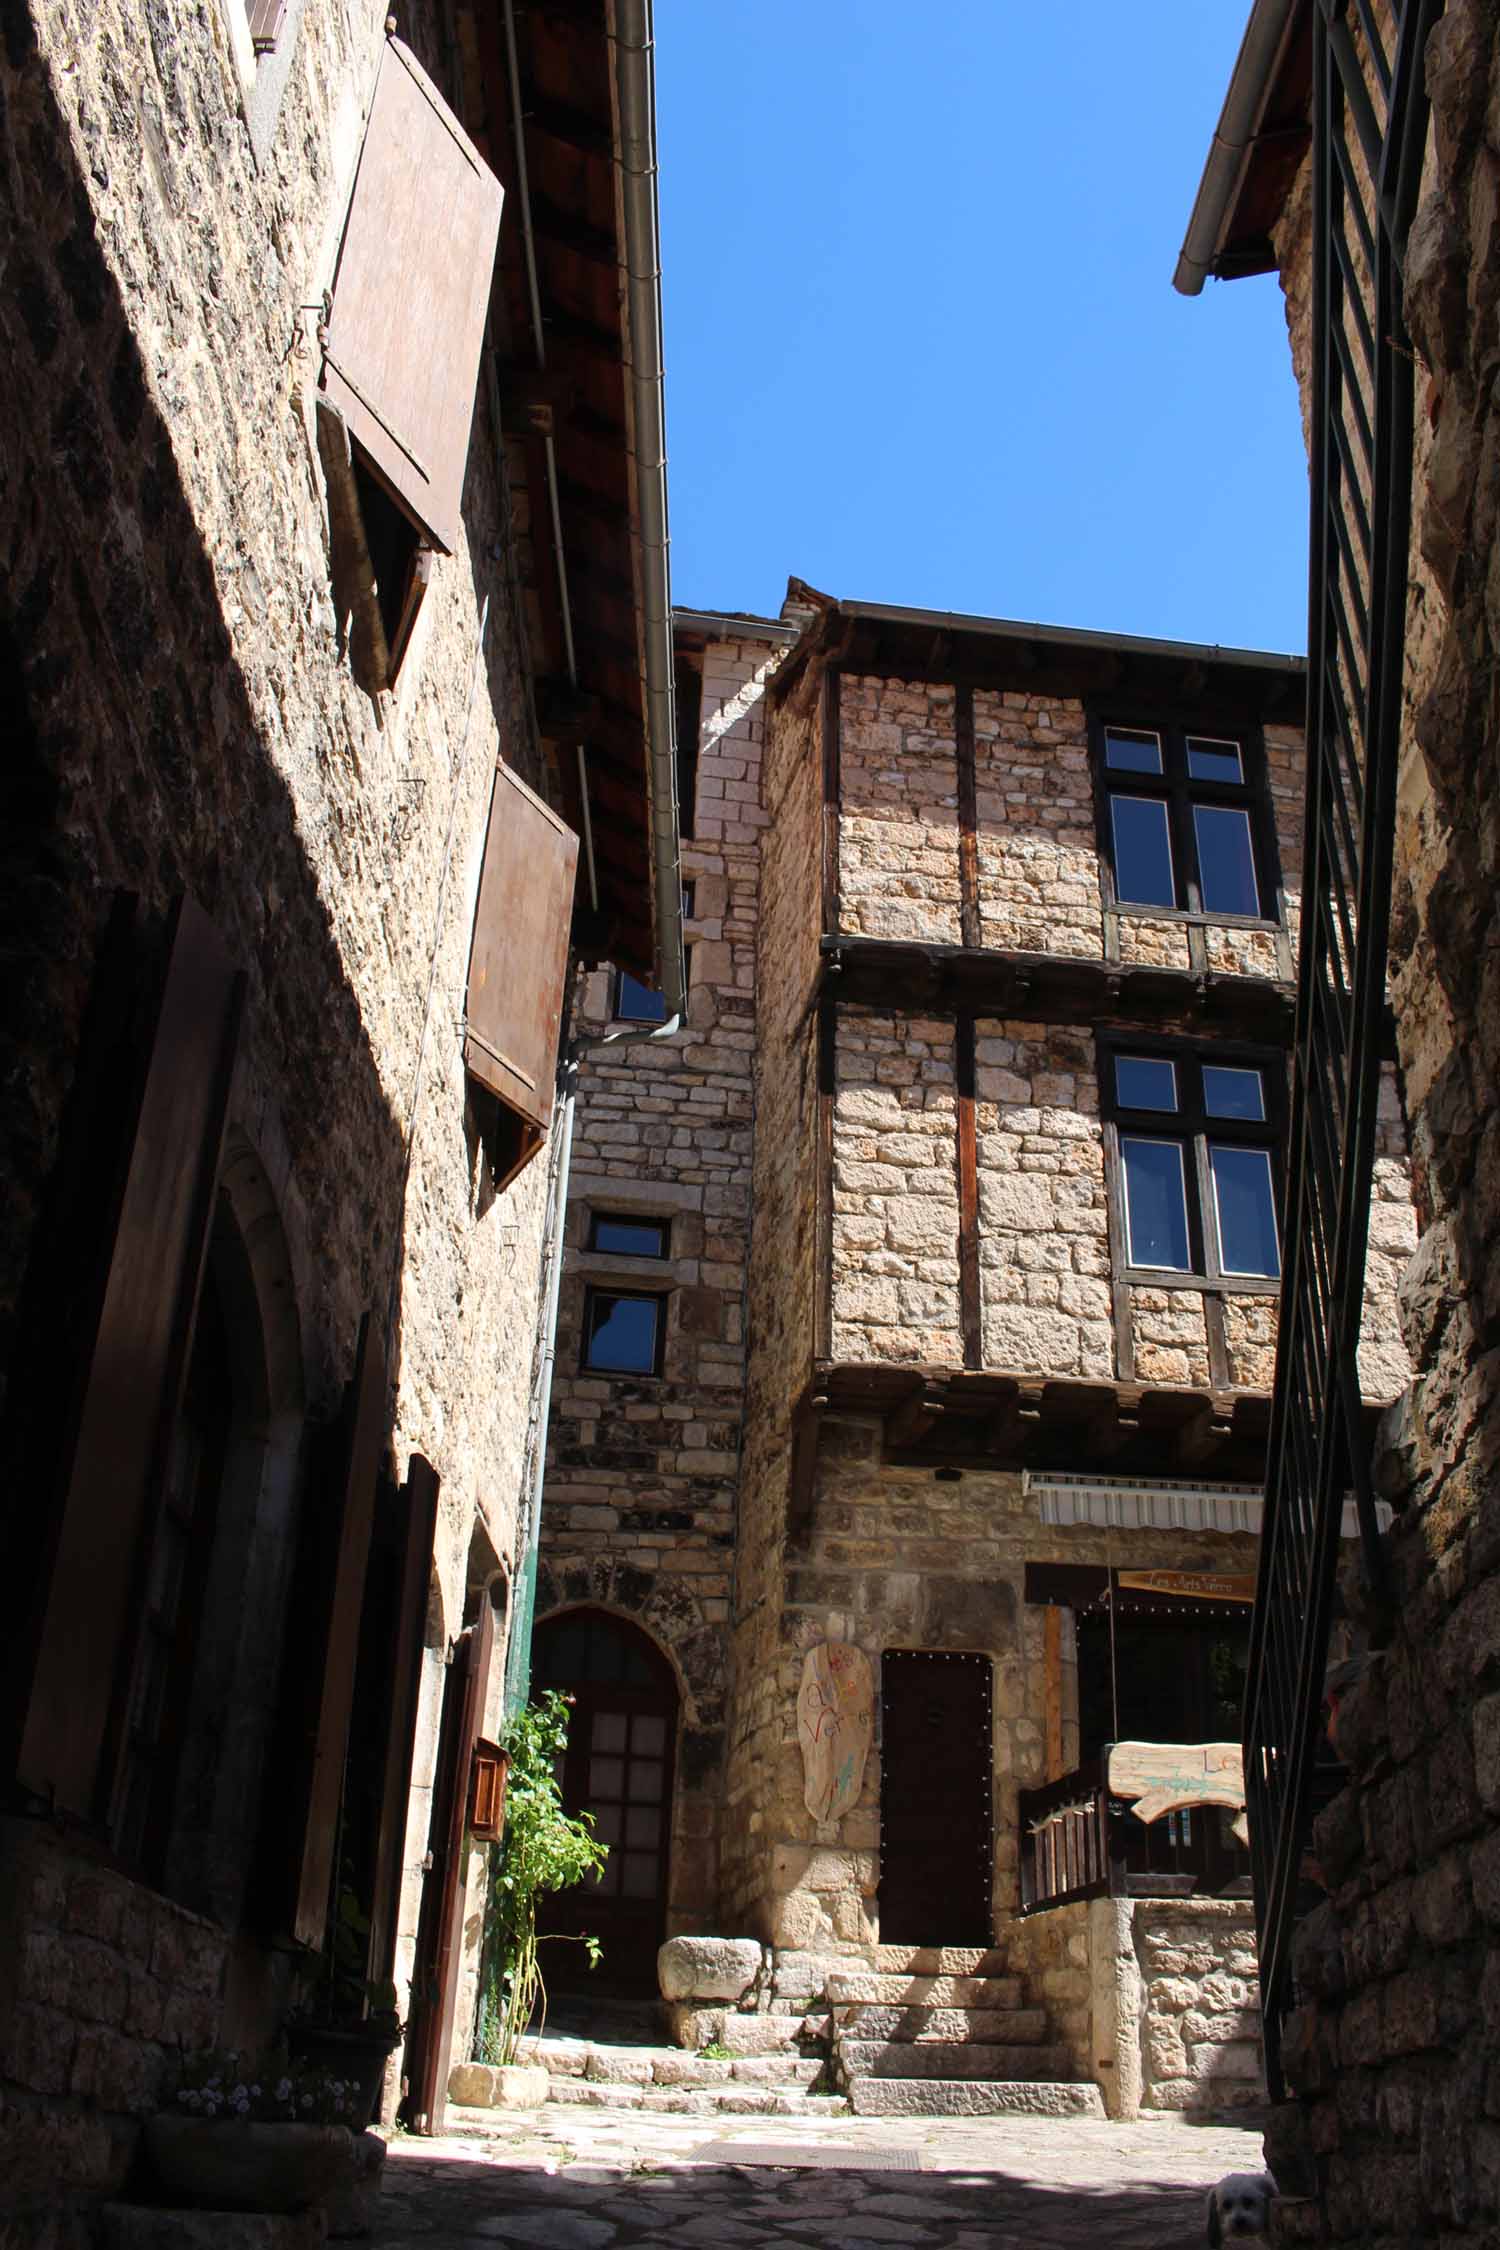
(412, 293)
(489, 1770)
(440, 1941)
(266, 19)
(418, 1525)
(519, 961)
(320, 1648)
(136, 1358)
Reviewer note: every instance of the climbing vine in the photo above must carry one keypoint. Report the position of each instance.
(541, 1851)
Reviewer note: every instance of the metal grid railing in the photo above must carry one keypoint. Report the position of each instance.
(1369, 133)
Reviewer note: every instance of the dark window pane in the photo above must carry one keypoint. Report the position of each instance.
(633, 1238)
(636, 1002)
(1127, 752)
(1245, 1200)
(643, 1827)
(1155, 1204)
(621, 1333)
(648, 1735)
(1226, 863)
(640, 1875)
(646, 1781)
(1143, 852)
(1214, 761)
(1145, 1082)
(608, 1730)
(606, 1779)
(1233, 1093)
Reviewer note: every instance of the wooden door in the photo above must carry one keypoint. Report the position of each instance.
(621, 1737)
(936, 1795)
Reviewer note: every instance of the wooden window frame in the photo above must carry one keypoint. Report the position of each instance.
(656, 1297)
(1182, 794)
(1192, 1128)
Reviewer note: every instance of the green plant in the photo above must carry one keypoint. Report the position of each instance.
(715, 2051)
(543, 1850)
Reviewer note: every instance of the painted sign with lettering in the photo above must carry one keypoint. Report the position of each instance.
(835, 1726)
(1193, 1585)
(1165, 1777)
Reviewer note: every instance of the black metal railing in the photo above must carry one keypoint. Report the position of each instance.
(1369, 132)
(1080, 1840)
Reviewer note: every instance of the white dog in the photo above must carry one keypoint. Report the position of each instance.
(1239, 2208)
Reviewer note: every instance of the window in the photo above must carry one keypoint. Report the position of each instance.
(1193, 1154)
(635, 1002)
(1187, 826)
(266, 20)
(623, 1332)
(628, 1238)
(689, 893)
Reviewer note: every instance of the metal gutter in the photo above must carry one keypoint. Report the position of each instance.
(1244, 105)
(1069, 636)
(633, 41)
(726, 625)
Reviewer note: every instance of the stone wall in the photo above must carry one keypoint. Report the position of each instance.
(1034, 807)
(639, 1508)
(1174, 2004)
(895, 1191)
(185, 718)
(898, 789)
(1391, 2053)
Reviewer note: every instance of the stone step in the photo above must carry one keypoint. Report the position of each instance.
(908, 2058)
(924, 1991)
(873, 2019)
(597, 2065)
(940, 1960)
(972, 2097)
(700, 2101)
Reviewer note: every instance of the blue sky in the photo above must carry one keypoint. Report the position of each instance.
(922, 343)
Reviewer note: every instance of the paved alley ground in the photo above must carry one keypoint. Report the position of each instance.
(561, 2179)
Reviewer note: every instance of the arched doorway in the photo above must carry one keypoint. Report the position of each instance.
(621, 1742)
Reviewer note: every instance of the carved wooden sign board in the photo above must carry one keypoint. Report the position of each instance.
(835, 1725)
(1165, 1777)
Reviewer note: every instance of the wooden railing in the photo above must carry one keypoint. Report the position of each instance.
(1079, 1840)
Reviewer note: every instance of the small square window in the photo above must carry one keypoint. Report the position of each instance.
(1231, 1092)
(623, 1332)
(1208, 760)
(1145, 1082)
(635, 1002)
(628, 1238)
(1126, 751)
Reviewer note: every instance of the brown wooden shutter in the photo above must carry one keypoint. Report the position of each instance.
(518, 965)
(489, 1770)
(417, 1528)
(135, 1363)
(440, 1940)
(412, 294)
(266, 19)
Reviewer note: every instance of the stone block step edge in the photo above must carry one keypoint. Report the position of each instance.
(924, 1992)
(691, 2101)
(883, 2019)
(895, 2058)
(956, 2097)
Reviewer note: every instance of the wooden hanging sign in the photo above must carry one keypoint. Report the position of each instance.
(1165, 1777)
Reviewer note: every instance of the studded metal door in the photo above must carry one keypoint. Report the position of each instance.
(936, 1799)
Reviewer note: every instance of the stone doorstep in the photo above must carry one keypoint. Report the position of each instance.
(925, 1991)
(937, 1961)
(907, 2058)
(969, 2097)
(868, 2019)
(700, 2101)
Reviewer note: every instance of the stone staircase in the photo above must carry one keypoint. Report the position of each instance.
(946, 2032)
(762, 2066)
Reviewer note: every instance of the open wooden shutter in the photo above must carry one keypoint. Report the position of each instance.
(440, 1938)
(135, 1361)
(518, 965)
(321, 1645)
(418, 1523)
(412, 294)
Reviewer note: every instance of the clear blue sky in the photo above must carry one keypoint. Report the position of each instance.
(922, 342)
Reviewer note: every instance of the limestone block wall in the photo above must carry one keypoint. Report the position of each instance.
(1037, 846)
(782, 1294)
(185, 719)
(1034, 806)
(639, 1505)
(895, 1190)
(1043, 1230)
(898, 831)
(1200, 2004)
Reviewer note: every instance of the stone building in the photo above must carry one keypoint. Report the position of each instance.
(1357, 158)
(1022, 924)
(334, 637)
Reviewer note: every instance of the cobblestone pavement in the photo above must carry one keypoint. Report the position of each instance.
(560, 2179)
